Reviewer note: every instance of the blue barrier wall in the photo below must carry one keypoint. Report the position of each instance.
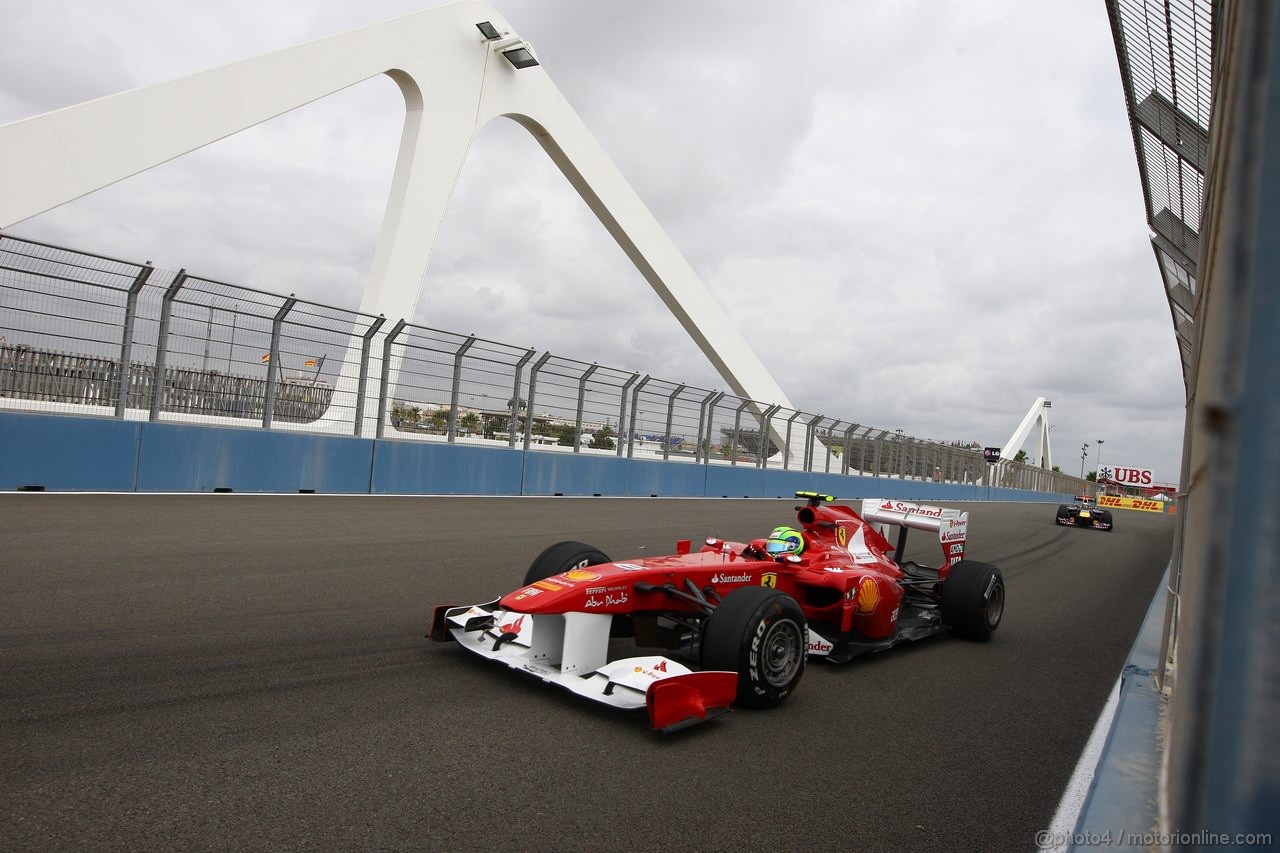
(67, 453)
(72, 454)
(421, 468)
(184, 458)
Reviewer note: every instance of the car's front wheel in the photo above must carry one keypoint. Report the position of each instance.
(564, 557)
(762, 635)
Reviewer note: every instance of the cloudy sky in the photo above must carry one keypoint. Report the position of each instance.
(923, 215)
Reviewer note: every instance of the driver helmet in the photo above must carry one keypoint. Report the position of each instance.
(783, 541)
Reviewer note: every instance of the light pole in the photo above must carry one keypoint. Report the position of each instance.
(1100, 463)
(1084, 452)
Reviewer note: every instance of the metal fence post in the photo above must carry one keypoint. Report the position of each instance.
(766, 416)
(384, 391)
(671, 413)
(709, 409)
(810, 439)
(737, 429)
(533, 390)
(786, 451)
(126, 343)
(275, 369)
(635, 408)
(365, 346)
(831, 427)
(622, 411)
(848, 449)
(162, 344)
(582, 399)
(515, 399)
(451, 432)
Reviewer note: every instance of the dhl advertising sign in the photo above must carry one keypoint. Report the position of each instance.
(1130, 503)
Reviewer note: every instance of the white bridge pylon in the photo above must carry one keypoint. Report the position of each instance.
(1038, 419)
(454, 82)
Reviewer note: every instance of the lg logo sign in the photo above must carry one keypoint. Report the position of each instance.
(1127, 476)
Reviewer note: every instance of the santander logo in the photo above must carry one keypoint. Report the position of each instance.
(914, 509)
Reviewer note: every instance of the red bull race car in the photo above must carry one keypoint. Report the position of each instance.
(748, 615)
(1083, 513)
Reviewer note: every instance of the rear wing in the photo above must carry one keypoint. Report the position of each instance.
(950, 525)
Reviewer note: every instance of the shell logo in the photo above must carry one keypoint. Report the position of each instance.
(868, 595)
(580, 575)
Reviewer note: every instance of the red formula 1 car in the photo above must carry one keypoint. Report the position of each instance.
(748, 617)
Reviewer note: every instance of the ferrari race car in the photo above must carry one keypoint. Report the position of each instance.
(749, 618)
(1083, 513)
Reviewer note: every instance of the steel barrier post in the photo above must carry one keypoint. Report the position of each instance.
(635, 407)
(831, 427)
(515, 399)
(275, 370)
(622, 411)
(582, 398)
(451, 432)
(809, 440)
(709, 404)
(162, 343)
(671, 413)
(737, 429)
(786, 452)
(362, 379)
(762, 460)
(126, 343)
(533, 389)
(384, 390)
(848, 449)
(700, 452)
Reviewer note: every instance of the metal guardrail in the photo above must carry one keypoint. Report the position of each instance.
(87, 334)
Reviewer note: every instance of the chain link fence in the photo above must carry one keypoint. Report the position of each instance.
(91, 335)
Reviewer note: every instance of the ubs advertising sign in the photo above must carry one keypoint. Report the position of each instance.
(1126, 476)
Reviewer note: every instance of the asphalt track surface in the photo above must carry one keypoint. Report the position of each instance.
(249, 672)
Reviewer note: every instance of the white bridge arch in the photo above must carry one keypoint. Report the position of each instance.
(454, 82)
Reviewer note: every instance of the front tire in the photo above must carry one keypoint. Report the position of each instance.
(564, 557)
(973, 599)
(761, 634)
(1064, 515)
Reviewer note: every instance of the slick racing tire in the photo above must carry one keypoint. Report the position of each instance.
(760, 634)
(1063, 515)
(1104, 515)
(563, 557)
(973, 599)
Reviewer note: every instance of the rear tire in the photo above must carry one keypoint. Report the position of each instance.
(973, 599)
(761, 634)
(563, 557)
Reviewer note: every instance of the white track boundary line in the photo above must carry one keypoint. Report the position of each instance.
(1073, 798)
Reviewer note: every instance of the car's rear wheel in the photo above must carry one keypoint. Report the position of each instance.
(564, 557)
(973, 599)
(761, 634)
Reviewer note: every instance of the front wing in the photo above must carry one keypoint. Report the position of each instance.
(570, 650)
